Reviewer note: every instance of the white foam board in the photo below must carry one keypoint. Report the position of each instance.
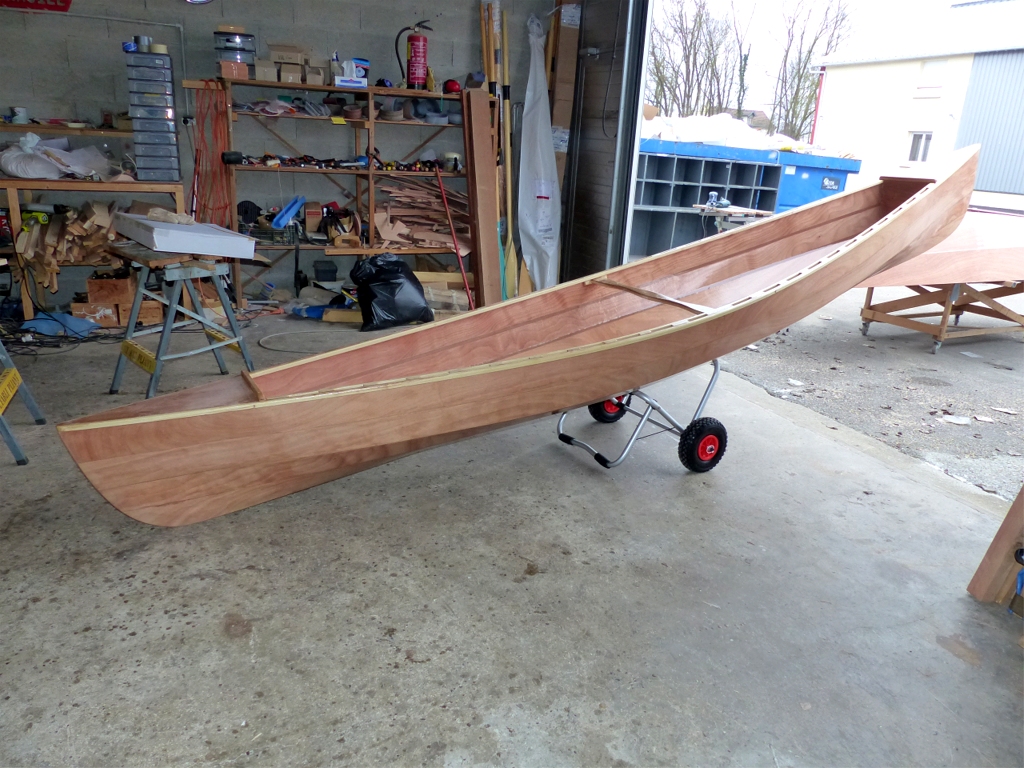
(198, 239)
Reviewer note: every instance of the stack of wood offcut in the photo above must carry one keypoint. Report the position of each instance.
(414, 217)
(77, 237)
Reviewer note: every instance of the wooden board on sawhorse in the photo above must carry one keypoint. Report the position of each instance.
(955, 299)
(11, 385)
(179, 271)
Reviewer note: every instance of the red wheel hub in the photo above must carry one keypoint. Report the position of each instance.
(612, 406)
(707, 448)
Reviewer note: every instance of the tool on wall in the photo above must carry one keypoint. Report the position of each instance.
(415, 71)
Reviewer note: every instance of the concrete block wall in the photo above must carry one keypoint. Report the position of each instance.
(72, 66)
(67, 65)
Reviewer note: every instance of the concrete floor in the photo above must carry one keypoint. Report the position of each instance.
(889, 385)
(505, 601)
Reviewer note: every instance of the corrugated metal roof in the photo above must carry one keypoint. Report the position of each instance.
(959, 30)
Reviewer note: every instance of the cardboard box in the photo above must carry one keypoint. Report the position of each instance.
(200, 239)
(267, 70)
(234, 70)
(111, 290)
(567, 52)
(349, 82)
(316, 76)
(104, 315)
(150, 313)
(288, 54)
(231, 29)
(291, 73)
(314, 215)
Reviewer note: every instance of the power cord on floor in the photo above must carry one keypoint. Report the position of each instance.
(292, 333)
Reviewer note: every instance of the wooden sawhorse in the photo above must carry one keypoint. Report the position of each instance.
(11, 385)
(179, 271)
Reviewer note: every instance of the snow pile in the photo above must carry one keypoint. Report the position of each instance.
(721, 129)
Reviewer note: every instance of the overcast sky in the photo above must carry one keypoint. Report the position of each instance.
(763, 19)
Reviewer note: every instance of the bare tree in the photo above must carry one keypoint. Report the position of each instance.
(743, 61)
(692, 66)
(805, 41)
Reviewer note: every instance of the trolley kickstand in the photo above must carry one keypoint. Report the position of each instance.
(703, 438)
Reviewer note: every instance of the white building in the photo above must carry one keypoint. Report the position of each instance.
(914, 94)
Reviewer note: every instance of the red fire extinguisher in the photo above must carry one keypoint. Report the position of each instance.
(415, 73)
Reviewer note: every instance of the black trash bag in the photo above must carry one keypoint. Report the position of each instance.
(389, 293)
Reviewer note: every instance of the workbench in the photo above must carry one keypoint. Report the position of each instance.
(14, 186)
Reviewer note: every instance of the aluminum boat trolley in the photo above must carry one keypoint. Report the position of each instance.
(701, 443)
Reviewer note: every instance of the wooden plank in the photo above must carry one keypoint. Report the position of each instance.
(482, 183)
(343, 316)
(995, 580)
(992, 304)
(76, 185)
(444, 277)
(63, 130)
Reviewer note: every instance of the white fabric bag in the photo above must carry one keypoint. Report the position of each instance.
(540, 203)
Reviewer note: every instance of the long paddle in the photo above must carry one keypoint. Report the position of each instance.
(511, 257)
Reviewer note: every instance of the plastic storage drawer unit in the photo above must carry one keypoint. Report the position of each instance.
(156, 138)
(144, 174)
(155, 150)
(151, 86)
(161, 163)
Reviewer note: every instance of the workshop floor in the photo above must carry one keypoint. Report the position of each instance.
(506, 601)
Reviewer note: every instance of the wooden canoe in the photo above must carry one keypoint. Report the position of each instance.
(203, 452)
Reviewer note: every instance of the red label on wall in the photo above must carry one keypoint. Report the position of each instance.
(37, 5)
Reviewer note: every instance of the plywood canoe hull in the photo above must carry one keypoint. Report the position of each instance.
(194, 455)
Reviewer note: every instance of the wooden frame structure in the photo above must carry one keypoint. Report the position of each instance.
(980, 262)
(578, 343)
(14, 186)
(955, 300)
(484, 257)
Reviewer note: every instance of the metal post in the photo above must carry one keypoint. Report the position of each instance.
(173, 291)
(197, 305)
(233, 322)
(133, 318)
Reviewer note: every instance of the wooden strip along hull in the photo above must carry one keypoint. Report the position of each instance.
(174, 467)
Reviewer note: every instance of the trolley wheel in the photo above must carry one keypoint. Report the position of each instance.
(608, 411)
(702, 444)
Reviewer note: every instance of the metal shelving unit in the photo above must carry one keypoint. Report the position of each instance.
(668, 186)
(672, 177)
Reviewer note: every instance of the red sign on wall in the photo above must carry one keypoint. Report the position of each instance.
(37, 5)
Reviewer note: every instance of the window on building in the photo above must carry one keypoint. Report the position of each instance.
(919, 144)
(929, 83)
